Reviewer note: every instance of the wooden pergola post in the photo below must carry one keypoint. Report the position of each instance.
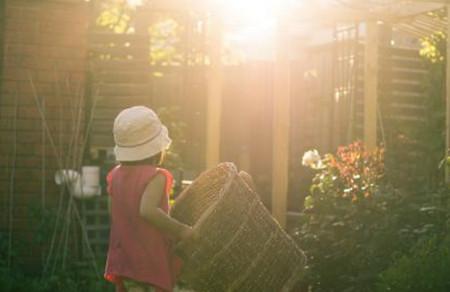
(214, 94)
(447, 129)
(281, 125)
(371, 76)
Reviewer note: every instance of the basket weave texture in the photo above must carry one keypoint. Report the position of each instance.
(238, 245)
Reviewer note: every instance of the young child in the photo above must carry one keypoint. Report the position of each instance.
(139, 256)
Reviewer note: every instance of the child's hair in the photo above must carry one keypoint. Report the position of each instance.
(156, 159)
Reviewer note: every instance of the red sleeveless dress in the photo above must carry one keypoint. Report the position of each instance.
(137, 250)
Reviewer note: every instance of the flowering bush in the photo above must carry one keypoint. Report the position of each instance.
(352, 174)
(342, 228)
(354, 221)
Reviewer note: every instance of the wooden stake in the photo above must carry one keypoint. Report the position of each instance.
(371, 70)
(447, 144)
(281, 124)
(214, 102)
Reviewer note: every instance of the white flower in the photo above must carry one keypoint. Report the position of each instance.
(312, 159)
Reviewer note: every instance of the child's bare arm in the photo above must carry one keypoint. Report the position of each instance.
(149, 210)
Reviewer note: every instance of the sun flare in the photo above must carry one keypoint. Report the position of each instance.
(250, 19)
(250, 25)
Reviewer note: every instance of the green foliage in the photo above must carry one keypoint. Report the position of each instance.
(165, 41)
(71, 281)
(17, 276)
(432, 130)
(433, 45)
(355, 222)
(115, 15)
(425, 268)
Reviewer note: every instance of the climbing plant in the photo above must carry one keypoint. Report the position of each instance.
(114, 15)
(422, 146)
(167, 32)
(433, 46)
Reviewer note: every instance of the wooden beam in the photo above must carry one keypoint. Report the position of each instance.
(281, 125)
(214, 97)
(180, 5)
(371, 76)
(315, 13)
(2, 42)
(329, 15)
(447, 144)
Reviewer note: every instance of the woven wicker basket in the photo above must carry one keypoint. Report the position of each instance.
(238, 247)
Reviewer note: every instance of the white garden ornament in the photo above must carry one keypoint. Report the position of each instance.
(81, 186)
(312, 159)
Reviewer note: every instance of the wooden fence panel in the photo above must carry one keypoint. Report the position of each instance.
(403, 111)
(119, 79)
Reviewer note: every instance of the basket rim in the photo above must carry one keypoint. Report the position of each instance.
(185, 193)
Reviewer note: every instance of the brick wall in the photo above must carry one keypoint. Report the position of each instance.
(43, 62)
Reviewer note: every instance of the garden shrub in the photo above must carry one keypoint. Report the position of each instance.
(17, 276)
(426, 268)
(354, 221)
(75, 280)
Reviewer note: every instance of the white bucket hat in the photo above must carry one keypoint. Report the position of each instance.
(139, 134)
